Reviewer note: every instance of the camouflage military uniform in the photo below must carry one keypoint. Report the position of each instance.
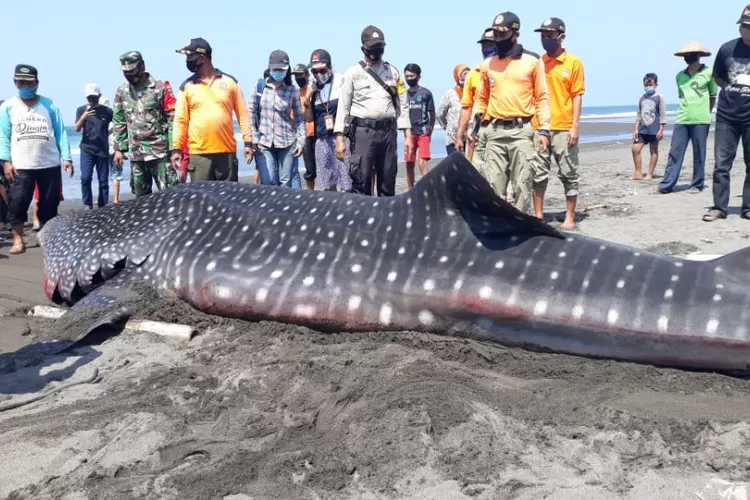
(143, 117)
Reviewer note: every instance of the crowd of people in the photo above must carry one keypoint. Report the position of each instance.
(513, 115)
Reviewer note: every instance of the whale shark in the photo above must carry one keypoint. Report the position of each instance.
(448, 257)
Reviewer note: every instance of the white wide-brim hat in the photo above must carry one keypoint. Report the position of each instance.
(693, 47)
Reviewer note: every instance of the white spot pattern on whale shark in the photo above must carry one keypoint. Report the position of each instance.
(449, 238)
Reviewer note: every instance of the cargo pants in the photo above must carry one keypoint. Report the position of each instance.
(566, 158)
(507, 157)
(145, 173)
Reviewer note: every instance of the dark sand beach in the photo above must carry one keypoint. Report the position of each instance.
(265, 410)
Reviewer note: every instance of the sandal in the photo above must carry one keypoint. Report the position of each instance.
(713, 215)
(17, 249)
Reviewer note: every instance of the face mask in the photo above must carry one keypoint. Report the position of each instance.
(193, 66)
(301, 82)
(504, 46)
(134, 78)
(374, 54)
(278, 74)
(93, 100)
(550, 45)
(322, 78)
(27, 92)
(691, 58)
(412, 82)
(488, 51)
(650, 90)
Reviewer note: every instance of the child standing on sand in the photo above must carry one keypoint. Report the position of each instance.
(649, 126)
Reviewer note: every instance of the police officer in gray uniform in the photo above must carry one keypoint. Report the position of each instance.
(372, 108)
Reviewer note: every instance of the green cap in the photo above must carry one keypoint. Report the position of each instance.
(129, 60)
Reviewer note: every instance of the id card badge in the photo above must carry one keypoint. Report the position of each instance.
(329, 122)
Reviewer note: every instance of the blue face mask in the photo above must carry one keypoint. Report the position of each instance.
(550, 45)
(650, 90)
(278, 74)
(27, 92)
(489, 52)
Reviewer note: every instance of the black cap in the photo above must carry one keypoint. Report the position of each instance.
(506, 21)
(320, 57)
(196, 46)
(552, 24)
(372, 37)
(299, 69)
(25, 72)
(487, 36)
(278, 60)
(745, 17)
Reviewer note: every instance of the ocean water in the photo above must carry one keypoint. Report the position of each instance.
(591, 114)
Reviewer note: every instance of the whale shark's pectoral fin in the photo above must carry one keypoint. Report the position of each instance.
(109, 305)
(734, 267)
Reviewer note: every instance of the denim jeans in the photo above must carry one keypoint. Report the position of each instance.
(89, 163)
(450, 149)
(276, 166)
(727, 138)
(681, 135)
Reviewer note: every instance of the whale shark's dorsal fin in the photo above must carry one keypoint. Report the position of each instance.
(456, 184)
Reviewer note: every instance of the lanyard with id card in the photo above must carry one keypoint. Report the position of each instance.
(328, 117)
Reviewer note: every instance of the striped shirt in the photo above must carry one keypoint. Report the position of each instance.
(35, 137)
(281, 122)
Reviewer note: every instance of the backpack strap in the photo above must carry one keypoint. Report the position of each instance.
(389, 90)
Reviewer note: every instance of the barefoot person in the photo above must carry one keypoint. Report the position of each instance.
(649, 126)
(565, 82)
(732, 119)
(32, 143)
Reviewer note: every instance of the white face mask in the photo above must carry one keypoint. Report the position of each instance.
(322, 78)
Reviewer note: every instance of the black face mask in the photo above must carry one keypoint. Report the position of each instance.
(375, 54)
(193, 66)
(302, 82)
(504, 47)
(412, 82)
(93, 100)
(691, 58)
(134, 78)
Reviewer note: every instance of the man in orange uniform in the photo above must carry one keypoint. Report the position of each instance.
(471, 87)
(203, 115)
(565, 82)
(512, 92)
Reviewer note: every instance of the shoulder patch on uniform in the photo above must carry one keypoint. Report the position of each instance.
(530, 53)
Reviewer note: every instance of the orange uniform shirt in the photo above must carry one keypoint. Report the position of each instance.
(206, 108)
(471, 88)
(514, 87)
(564, 81)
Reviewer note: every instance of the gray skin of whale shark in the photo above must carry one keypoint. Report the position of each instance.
(448, 257)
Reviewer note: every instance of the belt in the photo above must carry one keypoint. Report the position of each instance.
(508, 122)
(383, 123)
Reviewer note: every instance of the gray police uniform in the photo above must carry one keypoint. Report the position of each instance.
(366, 114)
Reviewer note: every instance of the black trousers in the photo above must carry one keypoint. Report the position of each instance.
(374, 145)
(727, 138)
(21, 192)
(308, 155)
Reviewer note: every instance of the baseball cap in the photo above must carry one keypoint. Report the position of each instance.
(372, 37)
(487, 36)
(320, 57)
(552, 24)
(506, 21)
(25, 72)
(745, 17)
(278, 60)
(196, 46)
(299, 69)
(130, 60)
(91, 89)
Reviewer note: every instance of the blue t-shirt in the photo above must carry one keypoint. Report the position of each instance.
(649, 110)
(95, 132)
(421, 106)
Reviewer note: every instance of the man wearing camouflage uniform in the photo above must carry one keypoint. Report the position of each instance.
(143, 117)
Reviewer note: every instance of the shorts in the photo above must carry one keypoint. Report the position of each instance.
(36, 191)
(646, 139)
(422, 144)
(115, 170)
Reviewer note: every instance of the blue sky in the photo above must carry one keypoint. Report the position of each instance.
(75, 42)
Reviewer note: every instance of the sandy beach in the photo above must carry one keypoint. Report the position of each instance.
(266, 410)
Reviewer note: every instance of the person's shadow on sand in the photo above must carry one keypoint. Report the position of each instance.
(30, 369)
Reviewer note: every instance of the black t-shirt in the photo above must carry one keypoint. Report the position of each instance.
(732, 65)
(95, 132)
(421, 105)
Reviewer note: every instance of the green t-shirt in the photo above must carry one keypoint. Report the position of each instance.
(694, 96)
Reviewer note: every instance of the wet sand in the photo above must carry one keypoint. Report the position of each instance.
(267, 410)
